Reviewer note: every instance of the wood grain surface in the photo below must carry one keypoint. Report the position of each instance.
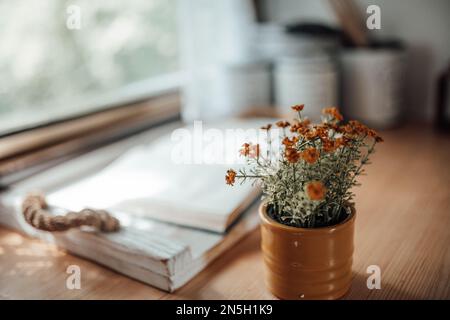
(403, 226)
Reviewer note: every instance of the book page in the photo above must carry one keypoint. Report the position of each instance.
(158, 180)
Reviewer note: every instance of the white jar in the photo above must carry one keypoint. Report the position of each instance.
(238, 88)
(312, 81)
(373, 85)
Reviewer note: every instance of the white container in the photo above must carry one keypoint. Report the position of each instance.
(373, 85)
(238, 88)
(311, 81)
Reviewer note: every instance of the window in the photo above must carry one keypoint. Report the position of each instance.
(49, 70)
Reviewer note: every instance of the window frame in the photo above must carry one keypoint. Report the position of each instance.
(130, 94)
(25, 153)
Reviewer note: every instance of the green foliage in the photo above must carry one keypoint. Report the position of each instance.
(310, 185)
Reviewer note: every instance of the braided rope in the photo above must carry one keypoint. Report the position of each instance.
(34, 211)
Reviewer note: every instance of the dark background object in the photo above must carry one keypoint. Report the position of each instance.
(318, 30)
(313, 29)
(443, 100)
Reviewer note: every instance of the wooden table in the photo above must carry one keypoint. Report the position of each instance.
(403, 226)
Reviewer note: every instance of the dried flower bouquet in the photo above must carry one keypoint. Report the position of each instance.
(307, 181)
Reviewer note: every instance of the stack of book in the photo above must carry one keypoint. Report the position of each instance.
(176, 217)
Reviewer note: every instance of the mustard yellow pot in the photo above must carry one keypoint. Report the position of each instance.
(313, 263)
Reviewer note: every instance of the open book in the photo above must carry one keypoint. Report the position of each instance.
(165, 255)
(172, 179)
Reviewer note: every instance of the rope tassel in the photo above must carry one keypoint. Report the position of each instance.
(34, 209)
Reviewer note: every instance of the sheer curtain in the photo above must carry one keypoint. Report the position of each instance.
(213, 34)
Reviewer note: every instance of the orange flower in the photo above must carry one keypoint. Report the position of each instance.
(328, 145)
(298, 107)
(292, 155)
(333, 126)
(310, 155)
(295, 127)
(334, 113)
(311, 134)
(348, 129)
(322, 131)
(283, 124)
(254, 151)
(316, 190)
(340, 142)
(372, 133)
(230, 177)
(301, 127)
(357, 128)
(318, 131)
(245, 151)
(249, 150)
(332, 145)
(289, 142)
(267, 127)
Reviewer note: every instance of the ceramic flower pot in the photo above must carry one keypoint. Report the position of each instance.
(314, 263)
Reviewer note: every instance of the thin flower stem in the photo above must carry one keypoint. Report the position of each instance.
(249, 176)
(295, 182)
